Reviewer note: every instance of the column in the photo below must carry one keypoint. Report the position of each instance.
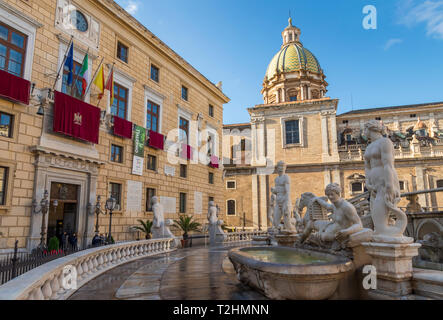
(334, 139)
(254, 201)
(420, 173)
(263, 203)
(324, 137)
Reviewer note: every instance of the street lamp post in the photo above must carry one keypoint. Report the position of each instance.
(44, 208)
(98, 210)
(110, 205)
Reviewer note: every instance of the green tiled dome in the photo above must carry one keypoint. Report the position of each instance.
(293, 57)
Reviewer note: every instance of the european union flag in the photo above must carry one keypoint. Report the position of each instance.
(69, 63)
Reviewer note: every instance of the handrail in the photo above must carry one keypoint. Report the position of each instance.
(46, 282)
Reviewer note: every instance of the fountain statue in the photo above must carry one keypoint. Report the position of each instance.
(283, 200)
(390, 251)
(160, 226)
(272, 203)
(334, 230)
(383, 184)
(216, 233)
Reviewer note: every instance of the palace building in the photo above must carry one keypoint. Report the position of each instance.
(299, 124)
(79, 144)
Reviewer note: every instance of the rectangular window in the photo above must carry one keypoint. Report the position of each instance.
(119, 107)
(3, 184)
(152, 162)
(152, 116)
(230, 185)
(182, 202)
(184, 93)
(210, 199)
(402, 185)
(12, 50)
(115, 190)
(211, 178)
(76, 89)
(122, 52)
(184, 130)
(183, 171)
(211, 111)
(413, 115)
(378, 118)
(231, 207)
(116, 153)
(155, 73)
(345, 121)
(149, 194)
(6, 123)
(357, 187)
(293, 98)
(292, 132)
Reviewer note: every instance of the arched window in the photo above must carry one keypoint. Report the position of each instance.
(231, 207)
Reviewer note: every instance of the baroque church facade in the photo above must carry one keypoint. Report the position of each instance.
(299, 124)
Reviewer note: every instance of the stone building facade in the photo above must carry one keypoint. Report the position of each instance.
(299, 124)
(151, 81)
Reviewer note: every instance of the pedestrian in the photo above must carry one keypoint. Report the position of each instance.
(73, 241)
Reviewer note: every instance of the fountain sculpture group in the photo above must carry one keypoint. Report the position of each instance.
(335, 227)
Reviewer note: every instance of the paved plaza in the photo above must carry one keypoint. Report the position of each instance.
(198, 273)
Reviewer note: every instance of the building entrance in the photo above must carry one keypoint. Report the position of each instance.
(62, 219)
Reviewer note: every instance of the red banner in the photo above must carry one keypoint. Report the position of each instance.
(214, 162)
(156, 140)
(186, 152)
(76, 118)
(14, 88)
(122, 127)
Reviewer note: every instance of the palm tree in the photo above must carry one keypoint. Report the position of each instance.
(145, 227)
(186, 224)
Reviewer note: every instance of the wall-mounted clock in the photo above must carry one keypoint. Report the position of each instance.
(79, 21)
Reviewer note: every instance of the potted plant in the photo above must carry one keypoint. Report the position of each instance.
(186, 224)
(145, 228)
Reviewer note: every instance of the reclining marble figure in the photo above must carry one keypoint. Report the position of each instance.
(343, 222)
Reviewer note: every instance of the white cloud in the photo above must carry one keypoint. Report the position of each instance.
(132, 7)
(392, 42)
(429, 12)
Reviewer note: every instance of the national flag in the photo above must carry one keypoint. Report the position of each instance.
(69, 63)
(99, 81)
(84, 73)
(110, 86)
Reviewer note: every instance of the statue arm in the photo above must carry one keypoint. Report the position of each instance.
(288, 189)
(325, 204)
(367, 174)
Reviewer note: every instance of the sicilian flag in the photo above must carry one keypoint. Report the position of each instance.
(99, 81)
(110, 86)
(69, 63)
(84, 73)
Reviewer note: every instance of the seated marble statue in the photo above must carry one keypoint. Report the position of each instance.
(344, 220)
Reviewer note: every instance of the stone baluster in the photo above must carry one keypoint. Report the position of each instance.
(85, 267)
(79, 270)
(94, 263)
(46, 290)
(37, 294)
(90, 266)
(119, 256)
(55, 286)
(100, 261)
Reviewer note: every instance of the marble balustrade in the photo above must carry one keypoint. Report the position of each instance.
(47, 281)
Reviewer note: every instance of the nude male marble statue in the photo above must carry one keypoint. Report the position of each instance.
(283, 202)
(382, 181)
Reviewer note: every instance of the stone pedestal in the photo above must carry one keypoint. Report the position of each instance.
(286, 240)
(393, 263)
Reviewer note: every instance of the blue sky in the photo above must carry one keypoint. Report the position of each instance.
(401, 62)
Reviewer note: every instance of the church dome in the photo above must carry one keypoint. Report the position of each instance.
(292, 57)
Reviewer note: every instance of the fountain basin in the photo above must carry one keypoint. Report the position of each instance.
(282, 273)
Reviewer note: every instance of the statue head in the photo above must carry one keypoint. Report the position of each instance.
(281, 167)
(154, 200)
(374, 126)
(333, 192)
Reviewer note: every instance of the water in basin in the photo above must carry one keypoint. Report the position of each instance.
(284, 256)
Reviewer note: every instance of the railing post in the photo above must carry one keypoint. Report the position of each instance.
(14, 261)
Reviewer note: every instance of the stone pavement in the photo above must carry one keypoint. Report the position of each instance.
(197, 273)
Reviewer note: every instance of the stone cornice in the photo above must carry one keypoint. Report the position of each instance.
(43, 150)
(21, 15)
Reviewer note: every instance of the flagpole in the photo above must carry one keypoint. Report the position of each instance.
(107, 80)
(63, 63)
(74, 83)
(93, 78)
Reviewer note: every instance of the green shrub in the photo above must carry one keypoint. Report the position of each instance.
(54, 244)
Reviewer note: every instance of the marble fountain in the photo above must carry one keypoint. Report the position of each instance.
(322, 255)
